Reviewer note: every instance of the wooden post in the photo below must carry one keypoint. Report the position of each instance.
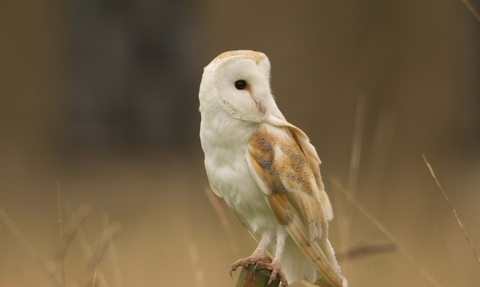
(258, 278)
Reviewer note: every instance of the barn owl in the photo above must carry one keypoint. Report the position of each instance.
(267, 171)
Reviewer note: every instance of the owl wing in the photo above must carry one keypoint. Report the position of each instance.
(286, 167)
(312, 157)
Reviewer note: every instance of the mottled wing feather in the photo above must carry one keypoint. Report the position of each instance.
(283, 173)
(286, 167)
(312, 158)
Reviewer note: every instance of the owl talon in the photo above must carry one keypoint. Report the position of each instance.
(231, 274)
(252, 260)
(276, 271)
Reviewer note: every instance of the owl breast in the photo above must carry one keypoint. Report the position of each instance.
(224, 143)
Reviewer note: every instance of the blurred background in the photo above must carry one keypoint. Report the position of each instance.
(99, 106)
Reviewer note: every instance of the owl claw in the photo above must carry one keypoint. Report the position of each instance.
(231, 274)
(252, 260)
(276, 271)
(261, 263)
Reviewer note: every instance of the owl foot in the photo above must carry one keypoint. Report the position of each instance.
(276, 270)
(252, 260)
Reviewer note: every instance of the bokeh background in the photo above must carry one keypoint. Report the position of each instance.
(98, 104)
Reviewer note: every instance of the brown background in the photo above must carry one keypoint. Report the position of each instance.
(102, 98)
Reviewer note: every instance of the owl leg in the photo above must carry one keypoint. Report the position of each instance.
(258, 255)
(274, 266)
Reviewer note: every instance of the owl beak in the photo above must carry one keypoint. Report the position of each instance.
(261, 107)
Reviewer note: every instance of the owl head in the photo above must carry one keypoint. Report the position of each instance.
(237, 82)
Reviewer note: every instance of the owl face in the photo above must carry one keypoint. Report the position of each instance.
(238, 83)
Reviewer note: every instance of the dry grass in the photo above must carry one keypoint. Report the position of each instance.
(54, 270)
(472, 9)
(364, 249)
(469, 241)
(387, 234)
(197, 267)
(214, 201)
(153, 247)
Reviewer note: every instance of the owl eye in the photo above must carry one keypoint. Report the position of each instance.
(240, 84)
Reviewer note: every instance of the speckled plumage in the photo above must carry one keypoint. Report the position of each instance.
(266, 169)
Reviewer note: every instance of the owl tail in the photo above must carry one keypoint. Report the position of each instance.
(298, 268)
(323, 268)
